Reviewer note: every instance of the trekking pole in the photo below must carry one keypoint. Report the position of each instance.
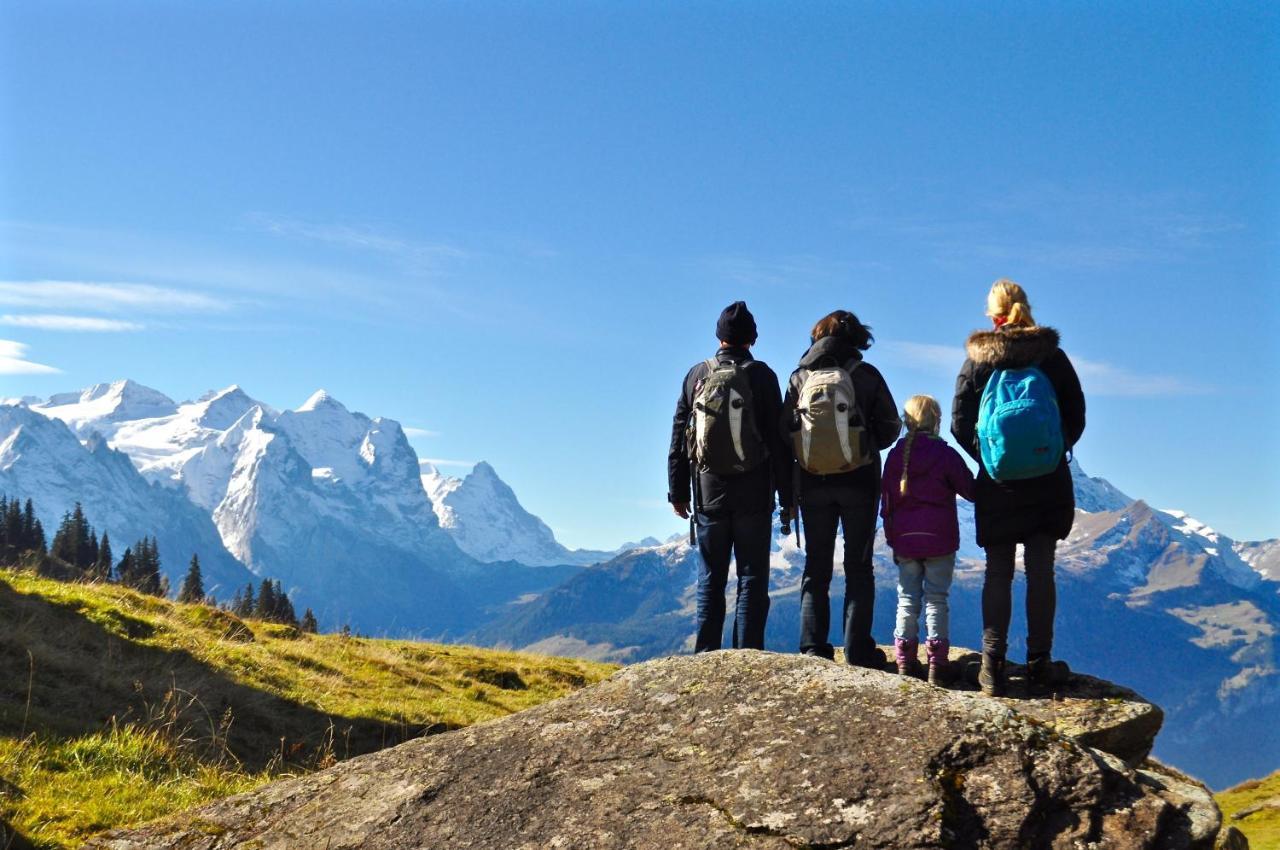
(693, 508)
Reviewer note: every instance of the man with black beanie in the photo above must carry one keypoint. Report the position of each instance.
(729, 417)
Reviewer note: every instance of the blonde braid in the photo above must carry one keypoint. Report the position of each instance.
(921, 413)
(906, 460)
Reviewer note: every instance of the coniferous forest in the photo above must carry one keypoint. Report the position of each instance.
(78, 553)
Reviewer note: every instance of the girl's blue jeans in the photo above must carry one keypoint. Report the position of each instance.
(924, 581)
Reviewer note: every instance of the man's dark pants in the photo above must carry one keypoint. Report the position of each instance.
(744, 535)
(825, 511)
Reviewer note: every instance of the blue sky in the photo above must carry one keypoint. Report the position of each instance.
(511, 226)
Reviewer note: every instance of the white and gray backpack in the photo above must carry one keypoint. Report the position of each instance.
(722, 435)
(827, 430)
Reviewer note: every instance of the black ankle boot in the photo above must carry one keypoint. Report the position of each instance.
(991, 678)
(1044, 674)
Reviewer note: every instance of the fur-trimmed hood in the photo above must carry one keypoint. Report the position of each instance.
(1012, 347)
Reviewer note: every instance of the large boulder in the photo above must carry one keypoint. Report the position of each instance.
(728, 749)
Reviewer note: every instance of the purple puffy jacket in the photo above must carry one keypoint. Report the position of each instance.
(923, 524)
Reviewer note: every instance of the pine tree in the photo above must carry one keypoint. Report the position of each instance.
(13, 523)
(37, 535)
(309, 624)
(192, 589)
(30, 528)
(149, 569)
(74, 542)
(284, 607)
(102, 566)
(127, 569)
(244, 603)
(266, 608)
(89, 549)
(78, 545)
(62, 547)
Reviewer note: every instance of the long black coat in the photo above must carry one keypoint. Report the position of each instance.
(1011, 511)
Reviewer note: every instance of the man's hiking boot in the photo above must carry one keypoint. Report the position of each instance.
(939, 666)
(1044, 675)
(991, 678)
(907, 654)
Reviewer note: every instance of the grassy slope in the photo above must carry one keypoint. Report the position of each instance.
(117, 708)
(1263, 825)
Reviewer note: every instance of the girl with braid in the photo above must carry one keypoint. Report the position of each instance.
(922, 478)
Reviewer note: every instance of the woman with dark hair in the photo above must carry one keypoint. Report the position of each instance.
(839, 415)
(1017, 373)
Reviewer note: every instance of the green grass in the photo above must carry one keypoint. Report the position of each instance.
(117, 708)
(1263, 825)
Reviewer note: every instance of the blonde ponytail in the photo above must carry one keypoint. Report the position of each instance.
(1008, 301)
(921, 413)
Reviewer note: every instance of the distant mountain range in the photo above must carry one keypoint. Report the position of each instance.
(337, 506)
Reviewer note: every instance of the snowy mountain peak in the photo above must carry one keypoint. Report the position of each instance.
(484, 517)
(102, 405)
(321, 400)
(1096, 495)
(222, 409)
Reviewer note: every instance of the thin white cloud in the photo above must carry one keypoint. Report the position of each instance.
(439, 461)
(1096, 377)
(13, 361)
(419, 432)
(359, 238)
(105, 297)
(1101, 378)
(78, 324)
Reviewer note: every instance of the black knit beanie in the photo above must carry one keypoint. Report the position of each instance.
(736, 325)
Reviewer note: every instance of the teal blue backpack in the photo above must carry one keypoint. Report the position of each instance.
(1019, 426)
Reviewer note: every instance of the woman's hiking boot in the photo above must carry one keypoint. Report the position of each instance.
(939, 666)
(872, 659)
(1044, 675)
(991, 678)
(907, 654)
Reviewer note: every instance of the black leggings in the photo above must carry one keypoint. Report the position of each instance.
(997, 595)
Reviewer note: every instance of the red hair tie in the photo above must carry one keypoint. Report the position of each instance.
(999, 321)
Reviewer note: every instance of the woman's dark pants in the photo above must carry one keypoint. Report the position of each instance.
(997, 596)
(824, 511)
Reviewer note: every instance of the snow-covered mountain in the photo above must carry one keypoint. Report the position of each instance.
(327, 500)
(487, 521)
(41, 459)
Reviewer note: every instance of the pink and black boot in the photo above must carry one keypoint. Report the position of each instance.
(907, 653)
(939, 666)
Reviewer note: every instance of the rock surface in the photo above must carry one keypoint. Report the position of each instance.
(729, 749)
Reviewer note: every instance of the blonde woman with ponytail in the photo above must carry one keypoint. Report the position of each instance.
(1035, 511)
(922, 478)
